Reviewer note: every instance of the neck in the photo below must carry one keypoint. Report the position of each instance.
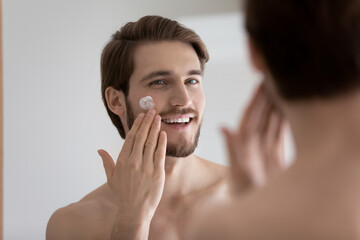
(326, 130)
(181, 175)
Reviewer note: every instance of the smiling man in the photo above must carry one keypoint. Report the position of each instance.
(171, 73)
(157, 184)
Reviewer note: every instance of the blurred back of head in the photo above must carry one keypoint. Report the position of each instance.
(311, 47)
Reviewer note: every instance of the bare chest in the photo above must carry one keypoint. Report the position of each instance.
(172, 224)
(174, 219)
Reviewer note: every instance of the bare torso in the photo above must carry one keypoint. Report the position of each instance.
(93, 216)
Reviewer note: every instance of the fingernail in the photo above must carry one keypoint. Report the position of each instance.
(141, 115)
(163, 133)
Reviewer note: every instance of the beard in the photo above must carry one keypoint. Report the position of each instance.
(180, 149)
(183, 148)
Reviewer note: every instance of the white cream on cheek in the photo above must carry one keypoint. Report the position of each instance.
(147, 103)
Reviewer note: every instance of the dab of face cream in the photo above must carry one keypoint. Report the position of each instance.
(147, 103)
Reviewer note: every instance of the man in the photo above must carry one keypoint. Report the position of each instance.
(309, 54)
(157, 185)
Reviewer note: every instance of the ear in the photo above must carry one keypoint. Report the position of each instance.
(256, 57)
(115, 100)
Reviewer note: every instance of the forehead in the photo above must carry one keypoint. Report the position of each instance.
(174, 56)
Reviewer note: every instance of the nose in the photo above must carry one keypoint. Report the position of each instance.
(180, 96)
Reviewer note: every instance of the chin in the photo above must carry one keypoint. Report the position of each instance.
(179, 152)
(182, 148)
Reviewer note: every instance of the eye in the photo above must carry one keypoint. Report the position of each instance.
(192, 81)
(157, 82)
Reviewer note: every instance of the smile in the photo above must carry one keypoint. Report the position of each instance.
(177, 120)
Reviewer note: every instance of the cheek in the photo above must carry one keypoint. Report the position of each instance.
(160, 104)
(134, 105)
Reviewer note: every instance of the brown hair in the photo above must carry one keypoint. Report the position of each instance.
(117, 57)
(311, 47)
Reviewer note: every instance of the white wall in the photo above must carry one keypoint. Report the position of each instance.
(54, 117)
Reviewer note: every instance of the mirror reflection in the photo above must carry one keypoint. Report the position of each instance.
(55, 119)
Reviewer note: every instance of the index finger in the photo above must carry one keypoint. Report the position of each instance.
(130, 137)
(256, 106)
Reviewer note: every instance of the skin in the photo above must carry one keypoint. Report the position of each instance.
(318, 196)
(149, 195)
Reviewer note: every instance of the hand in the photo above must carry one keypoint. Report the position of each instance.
(137, 180)
(256, 148)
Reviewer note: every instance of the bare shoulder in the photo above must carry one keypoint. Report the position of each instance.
(81, 220)
(70, 222)
(284, 209)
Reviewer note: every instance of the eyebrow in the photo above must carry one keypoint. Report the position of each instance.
(168, 73)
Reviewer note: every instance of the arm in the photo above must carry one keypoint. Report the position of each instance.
(138, 177)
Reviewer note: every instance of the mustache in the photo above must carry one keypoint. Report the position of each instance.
(179, 111)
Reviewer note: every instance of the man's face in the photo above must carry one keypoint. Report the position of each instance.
(169, 72)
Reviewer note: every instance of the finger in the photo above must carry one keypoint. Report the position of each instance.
(275, 140)
(256, 95)
(274, 127)
(260, 116)
(237, 167)
(264, 119)
(230, 148)
(140, 138)
(280, 135)
(252, 116)
(160, 152)
(130, 138)
(241, 181)
(109, 165)
(151, 143)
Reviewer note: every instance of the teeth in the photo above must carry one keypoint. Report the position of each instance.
(179, 120)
